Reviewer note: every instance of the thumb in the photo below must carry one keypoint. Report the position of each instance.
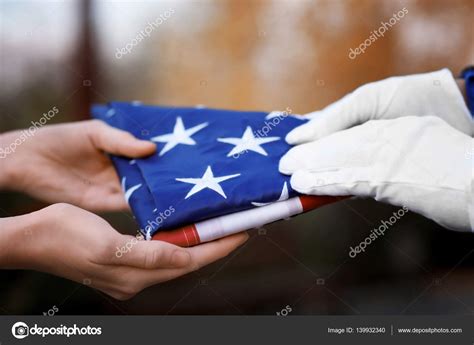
(150, 254)
(116, 141)
(337, 182)
(342, 114)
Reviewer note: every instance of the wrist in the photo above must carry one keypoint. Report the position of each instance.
(462, 87)
(455, 99)
(22, 243)
(10, 170)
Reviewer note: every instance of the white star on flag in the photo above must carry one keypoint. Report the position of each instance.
(248, 142)
(180, 135)
(283, 196)
(206, 181)
(110, 112)
(283, 114)
(129, 192)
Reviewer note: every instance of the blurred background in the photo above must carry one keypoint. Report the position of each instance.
(248, 55)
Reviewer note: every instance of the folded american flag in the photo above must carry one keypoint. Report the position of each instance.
(208, 163)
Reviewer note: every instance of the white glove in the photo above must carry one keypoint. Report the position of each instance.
(430, 94)
(418, 162)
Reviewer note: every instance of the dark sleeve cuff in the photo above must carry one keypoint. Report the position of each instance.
(468, 75)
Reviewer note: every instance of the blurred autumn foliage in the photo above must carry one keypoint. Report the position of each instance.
(273, 54)
(241, 54)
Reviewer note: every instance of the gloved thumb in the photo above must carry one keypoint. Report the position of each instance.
(340, 115)
(337, 182)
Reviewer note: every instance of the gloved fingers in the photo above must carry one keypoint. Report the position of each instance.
(345, 113)
(310, 155)
(352, 147)
(338, 182)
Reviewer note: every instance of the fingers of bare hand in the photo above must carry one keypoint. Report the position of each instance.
(116, 141)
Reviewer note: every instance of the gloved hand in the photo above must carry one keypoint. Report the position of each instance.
(418, 162)
(430, 94)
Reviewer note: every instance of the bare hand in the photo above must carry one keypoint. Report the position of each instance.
(67, 163)
(75, 244)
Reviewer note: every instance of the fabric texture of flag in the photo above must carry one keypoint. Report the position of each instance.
(208, 162)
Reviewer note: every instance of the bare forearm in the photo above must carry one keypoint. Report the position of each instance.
(10, 151)
(20, 239)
